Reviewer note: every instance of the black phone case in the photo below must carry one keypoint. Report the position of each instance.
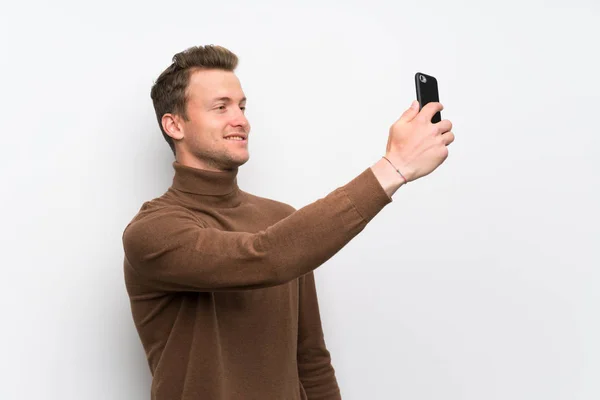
(427, 92)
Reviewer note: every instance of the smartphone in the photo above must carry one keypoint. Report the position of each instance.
(427, 92)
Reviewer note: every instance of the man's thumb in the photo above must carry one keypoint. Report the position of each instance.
(412, 112)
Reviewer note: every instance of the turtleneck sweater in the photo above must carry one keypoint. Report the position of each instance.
(222, 289)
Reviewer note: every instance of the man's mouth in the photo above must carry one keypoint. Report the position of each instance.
(239, 136)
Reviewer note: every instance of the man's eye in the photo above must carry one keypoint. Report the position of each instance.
(243, 108)
(221, 107)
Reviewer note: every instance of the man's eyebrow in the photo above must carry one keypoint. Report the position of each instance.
(227, 99)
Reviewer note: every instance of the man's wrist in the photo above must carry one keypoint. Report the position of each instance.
(389, 179)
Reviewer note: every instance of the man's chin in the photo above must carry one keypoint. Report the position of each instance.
(242, 162)
(239, 161)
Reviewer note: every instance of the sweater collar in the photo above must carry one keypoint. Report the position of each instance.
(204, 182)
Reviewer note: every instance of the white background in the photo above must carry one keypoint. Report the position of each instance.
(479, 281)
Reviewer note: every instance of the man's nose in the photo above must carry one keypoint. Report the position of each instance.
(239, 119)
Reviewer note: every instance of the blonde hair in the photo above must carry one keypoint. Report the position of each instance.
(169, 91)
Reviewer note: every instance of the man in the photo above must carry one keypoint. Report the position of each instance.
(221, 281)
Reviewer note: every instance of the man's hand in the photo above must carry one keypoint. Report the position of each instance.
(416, 146)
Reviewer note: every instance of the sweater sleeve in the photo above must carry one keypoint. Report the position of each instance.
(314, 361)
(169, 249)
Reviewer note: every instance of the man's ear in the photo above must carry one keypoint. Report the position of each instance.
(173, 126)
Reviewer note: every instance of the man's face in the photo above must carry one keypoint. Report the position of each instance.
(215, 110)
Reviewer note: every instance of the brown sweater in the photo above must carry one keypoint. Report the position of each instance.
(222, 290)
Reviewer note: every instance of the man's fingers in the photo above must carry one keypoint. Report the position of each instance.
(411, 113)
(448, 138)
(443, 126)
(429, 110)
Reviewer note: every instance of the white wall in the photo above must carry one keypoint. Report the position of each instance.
(477, 282)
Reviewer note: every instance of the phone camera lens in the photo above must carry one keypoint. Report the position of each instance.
(422, 79)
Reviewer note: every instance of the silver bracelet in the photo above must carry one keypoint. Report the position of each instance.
(397, 170)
